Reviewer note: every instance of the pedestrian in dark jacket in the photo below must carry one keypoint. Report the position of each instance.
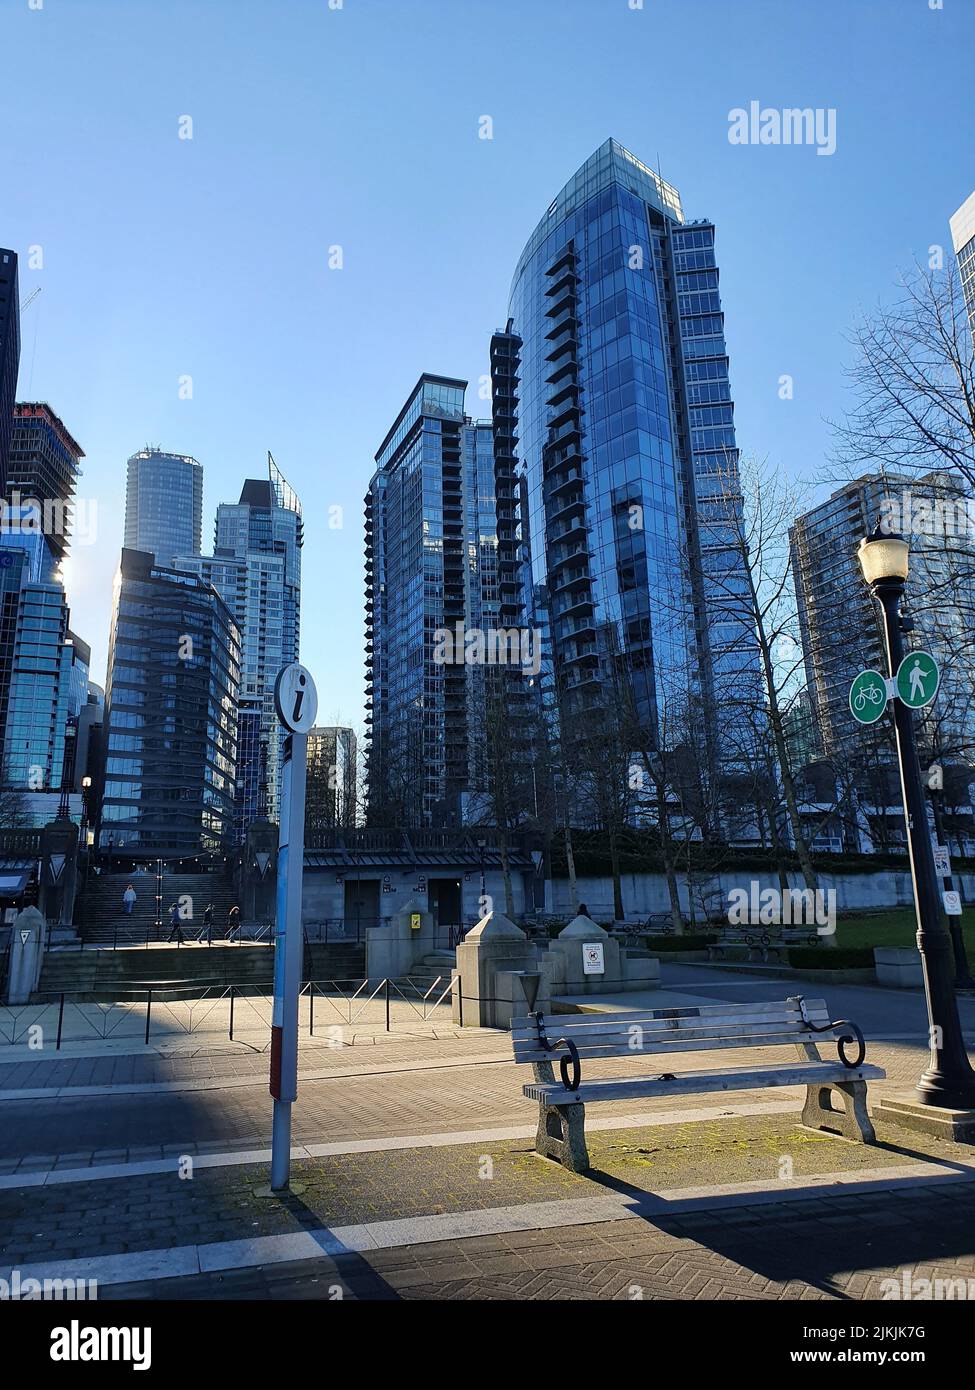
(175, 930)
(233, 925)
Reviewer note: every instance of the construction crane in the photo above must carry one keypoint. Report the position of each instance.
(30, 298)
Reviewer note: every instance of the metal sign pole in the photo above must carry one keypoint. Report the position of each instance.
(296, 702)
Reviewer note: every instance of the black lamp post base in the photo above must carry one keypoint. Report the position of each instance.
(949, 1092)
(955, 1124)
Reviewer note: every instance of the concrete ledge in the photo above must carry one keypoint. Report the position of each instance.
(957, 1126)
(898, 967)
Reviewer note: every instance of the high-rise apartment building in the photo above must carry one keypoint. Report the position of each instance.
(431, 579)
(171, 715)
(330, 786)
(42, 474)
(43, 664)
(963, 240)
(163, 504)
(9, 353)
(625, 426)
(256, 569)
(839, 621)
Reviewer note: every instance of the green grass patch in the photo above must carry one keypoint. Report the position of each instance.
(898, 927)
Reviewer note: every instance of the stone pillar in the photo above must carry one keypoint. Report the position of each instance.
(59, 871)
(259, 873)
(400, 943)
(26, 955)
(567, 951)
(495, 947)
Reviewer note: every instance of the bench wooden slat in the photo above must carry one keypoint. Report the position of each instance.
(703, 1082)
(779, 1008)
(537, 1054)
(693, 1028)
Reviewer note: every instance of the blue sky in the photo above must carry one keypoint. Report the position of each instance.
(358, 127)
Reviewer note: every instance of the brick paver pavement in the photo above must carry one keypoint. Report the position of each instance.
(827, 1248)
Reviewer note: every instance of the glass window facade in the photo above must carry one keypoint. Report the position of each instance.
(171, 715)
(625, 418)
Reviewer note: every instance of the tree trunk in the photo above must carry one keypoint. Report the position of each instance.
(614, 855)
(667, 851)
(571, 866)
(509, 897)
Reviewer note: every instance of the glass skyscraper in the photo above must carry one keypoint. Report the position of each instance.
(163, 504)
(256, 569)
(431, 568)
(625, 427)
(963, 240)
(171, 715)
(839, 621)
(9, 353)
(43, 468)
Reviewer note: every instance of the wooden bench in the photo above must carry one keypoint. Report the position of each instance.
(766, 946)
(571, 1039)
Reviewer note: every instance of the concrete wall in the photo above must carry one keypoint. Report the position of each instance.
(646, 893)
(323, 895)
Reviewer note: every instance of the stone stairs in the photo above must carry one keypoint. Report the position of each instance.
(101, 918)
(107, 975)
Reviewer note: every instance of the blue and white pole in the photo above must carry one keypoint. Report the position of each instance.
(297, 705)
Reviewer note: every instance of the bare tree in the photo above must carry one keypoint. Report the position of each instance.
(754, 605)
(913, 381)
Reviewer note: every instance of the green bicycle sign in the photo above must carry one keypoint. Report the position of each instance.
(868, 697)
(918, 678)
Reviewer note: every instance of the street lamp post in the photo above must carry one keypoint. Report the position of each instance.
(949, 1079)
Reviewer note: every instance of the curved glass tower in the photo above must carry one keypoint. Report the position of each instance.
(626, 437)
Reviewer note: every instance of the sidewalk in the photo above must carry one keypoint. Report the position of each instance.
(685, 1210)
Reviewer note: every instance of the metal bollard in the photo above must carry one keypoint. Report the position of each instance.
(387, 1006)
(148, 1010)
(233, 990)
(60, 1021)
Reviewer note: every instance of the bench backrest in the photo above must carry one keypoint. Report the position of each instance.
(637, 1032)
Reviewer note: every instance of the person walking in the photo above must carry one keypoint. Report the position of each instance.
(233, 925)
(128, 900)
(175, 930)
(208, 923)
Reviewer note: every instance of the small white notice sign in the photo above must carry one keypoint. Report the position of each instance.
(592, 958)
(952, 902)
(942, 862)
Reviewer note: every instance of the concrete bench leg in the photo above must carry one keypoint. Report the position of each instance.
(562, 1135)
(852, 1121)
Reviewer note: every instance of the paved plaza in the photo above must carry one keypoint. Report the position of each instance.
(415, 1177)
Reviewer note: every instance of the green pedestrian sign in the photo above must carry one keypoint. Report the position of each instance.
(868, 697)
(918, 678)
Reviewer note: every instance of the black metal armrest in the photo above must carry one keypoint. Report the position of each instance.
(854, 1035)
(572, 1059)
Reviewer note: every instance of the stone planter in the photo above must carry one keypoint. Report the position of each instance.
(898, 967)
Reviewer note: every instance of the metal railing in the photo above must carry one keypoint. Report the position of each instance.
(217, 1008)
(126, 938)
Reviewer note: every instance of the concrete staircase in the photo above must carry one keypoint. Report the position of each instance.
(101, 919)
(437, 964)
(344, 962)
(107, 976)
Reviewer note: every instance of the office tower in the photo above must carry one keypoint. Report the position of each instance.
(9, 354)
(41, 683)
(625, 424)
(163, 504)
(330, 787)
(171, 715)
(42, 473)
(256, 569)
(431, 579)
(963, 240)
(839, 621)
